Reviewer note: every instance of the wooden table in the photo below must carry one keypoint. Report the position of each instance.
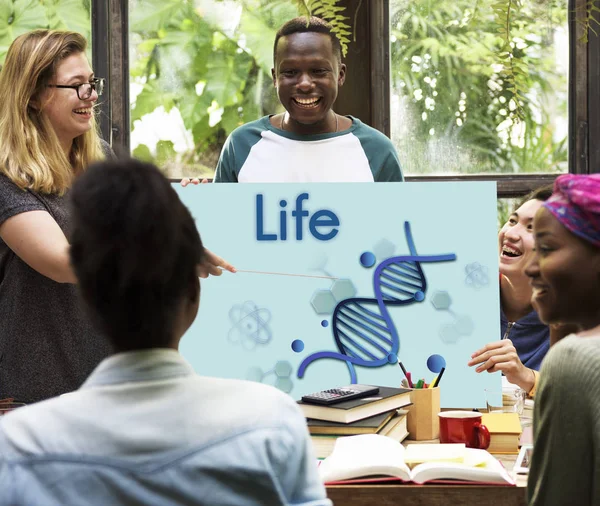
(433, 495)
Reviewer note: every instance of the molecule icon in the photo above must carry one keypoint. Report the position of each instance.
(279, 376)
(450, 333)
(250, 325)
(342, 289)
(477, 275)
(384, 249)
(323, 302)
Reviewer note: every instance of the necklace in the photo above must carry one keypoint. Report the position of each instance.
(337, 122)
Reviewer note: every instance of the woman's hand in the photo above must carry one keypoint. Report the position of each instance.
(186, 180)
(502, 356)
(213, 265)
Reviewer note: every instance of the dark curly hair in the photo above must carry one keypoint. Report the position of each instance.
(315, 25)
(134, 249)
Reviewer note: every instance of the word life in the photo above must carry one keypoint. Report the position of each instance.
(322, 224)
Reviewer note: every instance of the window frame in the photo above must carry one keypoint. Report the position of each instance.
(368, 62)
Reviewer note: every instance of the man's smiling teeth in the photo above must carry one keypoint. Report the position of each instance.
(307, 102)
(511, 252)
(84, 111)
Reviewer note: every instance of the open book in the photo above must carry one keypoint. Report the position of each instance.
(371, 455)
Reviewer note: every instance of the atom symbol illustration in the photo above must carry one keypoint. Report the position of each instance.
(250, 325)
(477, 275)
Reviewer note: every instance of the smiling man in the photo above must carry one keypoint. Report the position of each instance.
(309, 142)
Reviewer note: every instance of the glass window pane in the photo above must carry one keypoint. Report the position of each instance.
(199, 69)
(20, 17)
(453, 110)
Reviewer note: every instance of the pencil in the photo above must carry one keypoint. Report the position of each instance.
(439, 378)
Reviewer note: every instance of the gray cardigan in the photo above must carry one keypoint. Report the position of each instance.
(565, 468)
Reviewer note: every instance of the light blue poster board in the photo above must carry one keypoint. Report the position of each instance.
(381, 272)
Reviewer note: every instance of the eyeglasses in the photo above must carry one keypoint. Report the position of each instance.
(84, 90)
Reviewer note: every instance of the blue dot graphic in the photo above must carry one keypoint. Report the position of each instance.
(324, 323)
(419, 296)
(435, 363)
(367, 259)
(297, 345)
(392, 358)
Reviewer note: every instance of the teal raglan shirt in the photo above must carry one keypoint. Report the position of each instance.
(258, 152)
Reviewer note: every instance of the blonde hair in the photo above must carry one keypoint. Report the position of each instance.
(30, 153)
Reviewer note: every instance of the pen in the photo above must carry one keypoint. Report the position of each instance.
(410, 383)
(439, 378)
(432, 383)
(419, 384)
(406, 374)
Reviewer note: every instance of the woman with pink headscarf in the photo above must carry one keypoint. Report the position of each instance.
(565, 277)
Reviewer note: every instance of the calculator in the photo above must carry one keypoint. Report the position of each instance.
(335, 395)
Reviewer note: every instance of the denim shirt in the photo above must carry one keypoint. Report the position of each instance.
(145, 429)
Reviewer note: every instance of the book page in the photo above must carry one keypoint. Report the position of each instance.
(434, 452)
(479, 465)
(364, 455)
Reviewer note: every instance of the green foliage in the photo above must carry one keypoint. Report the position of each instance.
(591, 17)
(331, 11)
(461, 116)
(216, 73)
(21, 16)
(515, 70)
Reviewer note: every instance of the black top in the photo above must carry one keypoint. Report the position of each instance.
(47, 345)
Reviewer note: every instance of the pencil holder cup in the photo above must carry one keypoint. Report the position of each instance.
(422, 420)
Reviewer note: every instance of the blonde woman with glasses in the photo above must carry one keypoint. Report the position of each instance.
(48, 136)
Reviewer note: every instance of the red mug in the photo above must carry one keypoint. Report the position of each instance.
(464, 427)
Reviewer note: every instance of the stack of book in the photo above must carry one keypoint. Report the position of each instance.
(505, 432)
(371, 415)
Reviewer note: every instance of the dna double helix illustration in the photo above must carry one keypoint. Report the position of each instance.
(362, 327)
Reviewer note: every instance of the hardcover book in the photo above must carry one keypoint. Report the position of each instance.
(369, 425)
(505, 432)
(395, 428)
(370, 456)
(387, 399)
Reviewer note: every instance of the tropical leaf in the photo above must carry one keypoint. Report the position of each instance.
(142, 152)
(150, 98)
(165, 152)
(152, 15)
(20, 16)
(259, 38)
(226, 76)
(69, 15)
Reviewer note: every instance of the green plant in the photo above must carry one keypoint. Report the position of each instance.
(332, 12)
(591, 9)
(21, 16)
(514, 71)
(460, 114)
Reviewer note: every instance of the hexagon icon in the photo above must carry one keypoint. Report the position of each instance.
(464, 325)
(384, 249)
(254, 374)
(283, 369)
(449, 333)
(323, 302)
(441, 300)
(284, 384)
(343, 289)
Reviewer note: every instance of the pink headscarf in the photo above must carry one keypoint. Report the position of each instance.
(576, 204)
